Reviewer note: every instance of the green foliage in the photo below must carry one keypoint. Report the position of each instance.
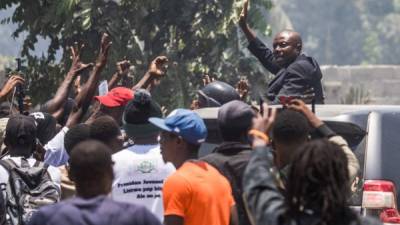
(198, 37)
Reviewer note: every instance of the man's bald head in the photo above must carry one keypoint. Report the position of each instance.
(293, 36)
(287, 46)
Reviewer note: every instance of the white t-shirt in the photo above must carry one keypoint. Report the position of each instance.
(139, 177)
(54, 173)
(56, 155)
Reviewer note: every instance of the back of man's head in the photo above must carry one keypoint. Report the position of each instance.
(290, 128)
(46, 126)
(75, 135)
(20, 135)
(234, 120)
(106, 130)
(91, 167)
(137, 113)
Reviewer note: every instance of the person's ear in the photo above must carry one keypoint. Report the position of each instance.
(179, 140)
(298, 48)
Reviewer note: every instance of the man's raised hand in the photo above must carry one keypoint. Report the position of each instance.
(77, 66)
(299, 106)
(104, 47)
(243, 14)
(158, 67)
(263, 123)
(123, 67)
(207, 79)
(243, 87)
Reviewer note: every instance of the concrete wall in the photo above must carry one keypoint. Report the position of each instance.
(372, 84)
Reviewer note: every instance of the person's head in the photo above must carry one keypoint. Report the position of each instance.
(235, 120)
(6, 109)
(20, 137)
(75, 135)
(114, 102)
(319, 181)
(216, 94)
(136, 117)
(91, 168)
(287, 46)
(183, 131)
(46, 126)
(290, 131)
(106, 130)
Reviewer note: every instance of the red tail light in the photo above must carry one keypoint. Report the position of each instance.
(381, 195)
(390, 216)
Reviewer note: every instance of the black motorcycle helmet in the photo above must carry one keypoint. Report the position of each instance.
(216, 94)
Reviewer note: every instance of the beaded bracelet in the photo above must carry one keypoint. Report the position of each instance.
(259, 134)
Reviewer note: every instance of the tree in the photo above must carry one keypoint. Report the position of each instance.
(198, 37)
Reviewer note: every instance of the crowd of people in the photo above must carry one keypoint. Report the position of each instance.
(91, 158)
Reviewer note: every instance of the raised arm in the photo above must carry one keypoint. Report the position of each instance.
(256, 46)
(261, 194)
(324, 131)
(57, 103)
(248, 32)
(84, 98)
(157, 69)
(122, 72)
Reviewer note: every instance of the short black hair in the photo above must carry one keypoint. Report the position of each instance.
(290, 127)
(104, 129)
(89, 160)
(75, 135)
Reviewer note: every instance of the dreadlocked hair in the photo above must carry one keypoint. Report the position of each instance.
(319, 181)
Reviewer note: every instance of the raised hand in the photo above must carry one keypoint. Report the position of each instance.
(10, 84)
(243, 87)
(77, 66)
(207, 79)
(104, 48)
(300, 106)
(243, 14)
(123, 67)
(194, 105)
(158, 67)
(265, 122)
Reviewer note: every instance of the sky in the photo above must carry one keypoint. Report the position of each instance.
(12, 47)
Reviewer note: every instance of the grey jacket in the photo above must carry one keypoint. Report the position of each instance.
(265, 202)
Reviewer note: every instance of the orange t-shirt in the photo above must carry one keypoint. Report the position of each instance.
(198, 193)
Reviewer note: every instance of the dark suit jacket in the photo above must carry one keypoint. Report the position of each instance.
(299, 77)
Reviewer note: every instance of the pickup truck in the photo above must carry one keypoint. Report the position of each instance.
(373, 133)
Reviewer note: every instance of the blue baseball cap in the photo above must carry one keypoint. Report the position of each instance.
(184, 123)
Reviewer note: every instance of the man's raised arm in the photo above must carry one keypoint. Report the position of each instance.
(248, 32)
(256, 46)
(156, 71)
(57, 103)
(84, 98)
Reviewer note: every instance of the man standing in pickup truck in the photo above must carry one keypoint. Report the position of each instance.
(295, 74)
